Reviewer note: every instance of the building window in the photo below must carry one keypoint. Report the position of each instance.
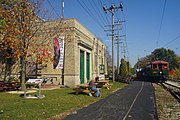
(95, 61)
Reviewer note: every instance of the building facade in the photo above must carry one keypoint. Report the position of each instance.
(81, 56)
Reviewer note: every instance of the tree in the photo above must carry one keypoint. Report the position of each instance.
(129, 69)
(123, 69)
(160, 54)
(21, 34)
(109, 61)
(166, 55)
(177, 73)
(178, 61)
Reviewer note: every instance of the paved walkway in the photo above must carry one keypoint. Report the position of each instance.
(134, 102)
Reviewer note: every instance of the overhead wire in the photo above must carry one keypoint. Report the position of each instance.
(86, 8)
(57, 14)
(117, 13)
(97, 12)
(53, 8)
(117, 17)
(110, 1)
(172, 40)
(99, 1)
(125, 37)
(99, 23)
(58, 4)
(100, 13)
(162, 17)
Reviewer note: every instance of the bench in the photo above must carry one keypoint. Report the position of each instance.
(83, 88)
(103, 83)
(7, 86)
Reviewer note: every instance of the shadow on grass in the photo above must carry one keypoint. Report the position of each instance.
(80, 93)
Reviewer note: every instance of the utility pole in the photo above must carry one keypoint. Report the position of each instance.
(124, 51)
(118, 47)
(112, 10)
(63, 39)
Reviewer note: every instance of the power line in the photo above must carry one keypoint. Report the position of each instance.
(125, 45)
(106, 22)
(97, 12)
(99, 23)
(172, 40)
(89, 13)
(118, 18)
(53, 8)
(157, 42)
(104, 13)
(118, 14)
(110, 2)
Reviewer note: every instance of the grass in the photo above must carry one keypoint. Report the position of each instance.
(13, 107)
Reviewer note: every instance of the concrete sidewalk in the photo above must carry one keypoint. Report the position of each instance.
(135, 102)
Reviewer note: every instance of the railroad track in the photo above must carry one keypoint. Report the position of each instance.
(173, 84)
(173, 89)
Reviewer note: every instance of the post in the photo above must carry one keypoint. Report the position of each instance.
(62, 9)
(39, 84)
(113, 74)
(25, 90)
(118, 45)
(62, 18)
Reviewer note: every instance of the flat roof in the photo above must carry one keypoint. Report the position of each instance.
(159, 61)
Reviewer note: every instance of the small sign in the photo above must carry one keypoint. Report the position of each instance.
(35, 81)
(101, 77)
(101, 68)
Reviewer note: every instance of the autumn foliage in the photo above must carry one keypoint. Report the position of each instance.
(15, 30)
(24, 36)
(19, 25)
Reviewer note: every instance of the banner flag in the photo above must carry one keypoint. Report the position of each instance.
(59, 52)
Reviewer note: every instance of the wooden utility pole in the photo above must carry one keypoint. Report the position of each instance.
(112, 10)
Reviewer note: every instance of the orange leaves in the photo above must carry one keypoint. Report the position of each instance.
(15, 23)
(24, 33)
(44, 54)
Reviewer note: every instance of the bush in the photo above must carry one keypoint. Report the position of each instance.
(176, 74)
(13, 79)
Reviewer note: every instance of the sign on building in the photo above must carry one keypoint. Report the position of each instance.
(101, 69)
(58, 52)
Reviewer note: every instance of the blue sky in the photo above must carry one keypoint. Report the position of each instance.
(146, 27)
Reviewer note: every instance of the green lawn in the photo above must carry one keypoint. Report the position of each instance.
(14, 107)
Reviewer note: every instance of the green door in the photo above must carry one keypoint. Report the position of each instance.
(88, 66)
(81, 66)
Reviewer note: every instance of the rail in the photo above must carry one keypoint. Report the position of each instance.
(178, 87)
(172, 89)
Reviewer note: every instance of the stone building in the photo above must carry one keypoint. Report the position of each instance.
(84, 54)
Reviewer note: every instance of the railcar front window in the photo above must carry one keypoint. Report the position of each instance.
(165, 66)
(160, 66)
(155, 66)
